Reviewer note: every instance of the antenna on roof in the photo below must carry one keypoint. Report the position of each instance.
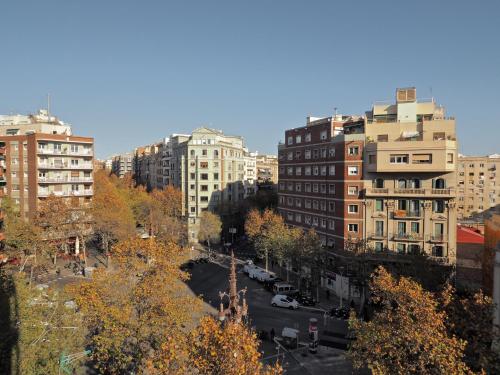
(48, 107)
(335, 111)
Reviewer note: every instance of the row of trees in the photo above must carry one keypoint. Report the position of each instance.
(415, 331)
(271, 237)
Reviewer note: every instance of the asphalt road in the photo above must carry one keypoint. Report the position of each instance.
(208, 279)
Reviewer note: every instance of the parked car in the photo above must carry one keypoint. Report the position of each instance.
(280, 300)
(341, 313)
(268, 284)
(284, 288)
(264, 276)
(248, 266)
(253, 272)
(304, 299)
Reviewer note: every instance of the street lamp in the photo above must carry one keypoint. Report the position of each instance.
(341, 269)
(234, 311)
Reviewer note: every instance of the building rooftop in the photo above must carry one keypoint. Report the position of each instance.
(468, 235)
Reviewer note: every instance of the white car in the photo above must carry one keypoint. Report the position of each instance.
(253, 272)
(248, 266)
(265, 276)
(280, 300)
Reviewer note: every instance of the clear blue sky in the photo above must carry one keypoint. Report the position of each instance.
(131, 72)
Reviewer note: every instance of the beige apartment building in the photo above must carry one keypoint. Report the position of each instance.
(410, 177)
(267, 169)
(478, 184)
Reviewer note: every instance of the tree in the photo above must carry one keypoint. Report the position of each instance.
(210, 228)
(229, 349)
(408, 334)
(40, 329)
(133, 310)
(111, 215)
(268, 232)
(469, 317)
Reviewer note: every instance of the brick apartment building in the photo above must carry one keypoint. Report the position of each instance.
(320, 178)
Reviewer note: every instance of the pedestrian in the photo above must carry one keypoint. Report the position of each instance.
(328, 294)
(272, 334)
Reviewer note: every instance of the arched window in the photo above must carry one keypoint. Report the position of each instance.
(379, 183)
(415, 183)
(192, 152)
(216, 154)
(402, 183)
(439, 183)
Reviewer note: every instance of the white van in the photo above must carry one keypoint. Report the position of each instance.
(283, 288)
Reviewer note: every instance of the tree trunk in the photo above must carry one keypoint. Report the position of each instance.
(267, 261)
(84, 249)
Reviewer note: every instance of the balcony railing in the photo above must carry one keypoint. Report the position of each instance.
(408, 237)
(402, 214)
(437, 238)
(68, 193)
(377, 235)
(64, 166)
(409, 192)
(46, 151)
(64, 179)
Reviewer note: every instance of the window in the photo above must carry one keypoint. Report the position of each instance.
(331, 206)
(216, 176)
(331, 152)
(353, 150)
(332, 170)
(298, 202)
(421, 159)
(399, 159)
(323, 223)
(204, 176)
(401, 248)
(204, 164)
(289, 156)
(322, 205)
(308, 137)
(352, 190)
(74, 162)
(439, 206)
(298, 139)
(379, 205)
(323, 152)
(315, 153)
(415, 227)
(331, 224)
(352, 170)
(193, 209)
(372, 159)
(323, 170)
(298, 154)
(331, 189)
(382, 138)
(307, 171)
(315, 221)
(322, 188)
(204, 187)
(379, 228)
(298, 218)
(307, 203)
(216, 187)
(316, 170)
(192, 152)
(307, 219)
(290, 186)
(289, 171)
(289, 216)
(379, 247)
(352, 228)
(216, 154)
(323, 135)
(315, 188)
(307, 187)
(298, 171)
(449, 158)
(315, 205)
(298, 187)
(290, 140)
(439, 183)
(437, 251)
(401, 184)
(191, 187)
(438, 136)
(353, 208)
(307, 154)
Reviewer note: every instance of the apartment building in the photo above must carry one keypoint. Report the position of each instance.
(37, 164)
(320, 178)
(267, 169)
(209, 168)
(152, 164)
(250, 175)
(478, 184)
(122, 164)
(410, 165)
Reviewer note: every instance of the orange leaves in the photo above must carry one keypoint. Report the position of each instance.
(408, 334)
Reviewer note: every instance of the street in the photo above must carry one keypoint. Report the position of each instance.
(210, 278)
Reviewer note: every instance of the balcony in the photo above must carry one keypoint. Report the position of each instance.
(437, 238)
(46, 151)
(407, 237)
(410, 192)
(64, 166)
(377, 235)
(68, 193)
(407, 214)
(65, 179)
